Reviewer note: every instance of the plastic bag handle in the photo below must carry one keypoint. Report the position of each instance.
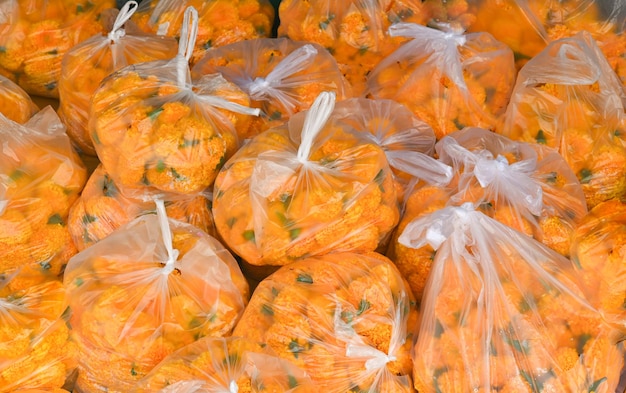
(188, 34)
(166, 233)
(123, 16)
(421, 166)
(315, 119)
(223, 103)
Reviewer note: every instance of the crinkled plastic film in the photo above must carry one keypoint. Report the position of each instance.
(153, 126)
(35, 349)
(306, 188)
(35, 34)
(355, 32)
(40, 177)
(16, 104)
(151, 287)
(281, 76)
(103, 207)
(230, 364)
(221, 22)
(446, 78)
(568, 97)
(346, 319)
(85, 66)
(503, 312)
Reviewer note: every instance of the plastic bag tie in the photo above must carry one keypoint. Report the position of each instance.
(294, 62)
(421, 166)
(377, 359)
(316, 118)
(188, 34)
(223, 103)
(435, 228)
(233, 387)
(123, 16)
(172, 253)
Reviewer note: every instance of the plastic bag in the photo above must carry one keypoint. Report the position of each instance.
(16, 104)
(346, 319)
(598, 256)
(528, 187)
(103, 207)
(148, 289)
(225, 365)
(35, 349)
(35, 34)
(408, 142)
(221, 22)
(568, 98)
(355, 32)
(309, 187)
(85, 65)
(153, 126)
(40, 177)
(446, 78)
(501, 312)
(281, 76)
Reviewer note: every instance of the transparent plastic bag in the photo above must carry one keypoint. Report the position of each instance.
(502, 312)
(281, 76)
(598, 257)
(309, 187)
(153, 126)
(103, 207)
(346, 319)
(354, 32)
(40, 178)
(448, 79)
(16, 104)
(221, 22)
(36, 34)
(85, 65)
(567, 97)
(230, 364)
(151, 287)
(35, 349)
(528, 187)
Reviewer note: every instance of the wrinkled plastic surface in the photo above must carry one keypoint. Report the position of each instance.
(136, 298)
(152, 126)
(346, 319)
(15, 103)
(103, 207)
(502, 312)
(526, 186)
(40, 177)
(355, 32)
(568, 97)
(230, 364)
(446, 78)
(308, 187)
(35, 349)
(85, 66)
(281, 76)
(35, 34)
(221, 22)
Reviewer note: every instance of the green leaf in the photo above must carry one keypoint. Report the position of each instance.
(79, 281)
(3, 49)
(52, 52)
(292, 381)
(551, 177)
(267, 310)
(248, 235)
(458, 124)
(379, 179)
(188, 143)
(276, 115)
(51, 85)
(594, 387)
(132, 371)
(208, 44)
(295, 347)
(160, 166)
(535, 385)
(438, 329)
(45, 265)
(108, 187)
(582, 340)
(294, 233)
(364, 305)
(56, 219)
(177, 175)
(541, 137)
(585, 176)
(347, 316)
(17, 174)
(304, 278)
(231, 221)
(363, 50)
(153, 114)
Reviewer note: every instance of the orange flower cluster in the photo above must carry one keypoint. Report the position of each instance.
(35, 349)
(103, 207)
(569, 98)
(231, 364)
(37, 33)
(85, 65)
(354, 32)
(281, 76)
(346, 319)
(502, 313)
(220, 22)
(135, 299)
(527, 187)
(16, 104)
(284, 197)
(448, 79)
(148, 130)
(40, 177)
